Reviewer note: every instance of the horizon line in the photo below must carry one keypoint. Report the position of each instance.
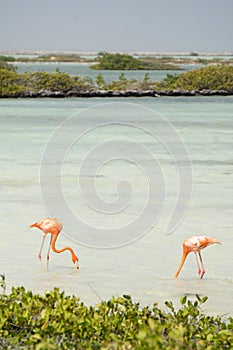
(130, 52)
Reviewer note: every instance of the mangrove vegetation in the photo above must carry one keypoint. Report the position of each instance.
(209, 80)
(114, 61)
(46, 58)
(109, 61)
(58, 321)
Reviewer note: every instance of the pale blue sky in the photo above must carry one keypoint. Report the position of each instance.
(122, 25)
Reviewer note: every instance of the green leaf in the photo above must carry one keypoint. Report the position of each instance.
(120, 300)
(203, 300)
(183, 300)
(142, 335)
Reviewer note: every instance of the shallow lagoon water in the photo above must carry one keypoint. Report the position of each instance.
(83, 69)
(143, 267)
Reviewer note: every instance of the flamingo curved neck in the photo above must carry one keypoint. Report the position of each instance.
(74, 257)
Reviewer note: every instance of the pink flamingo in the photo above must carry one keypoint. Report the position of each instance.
(54, 227)
(196, 244)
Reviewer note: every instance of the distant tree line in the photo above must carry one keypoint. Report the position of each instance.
(117, 61)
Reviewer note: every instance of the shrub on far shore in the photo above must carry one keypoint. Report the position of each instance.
(109, 61)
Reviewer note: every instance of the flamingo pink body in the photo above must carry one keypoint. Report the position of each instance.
(196, 244)
(53, 226)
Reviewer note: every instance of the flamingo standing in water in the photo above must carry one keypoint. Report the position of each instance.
(196, 244)
(54, 227)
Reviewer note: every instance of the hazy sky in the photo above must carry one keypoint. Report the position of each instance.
(117, 25)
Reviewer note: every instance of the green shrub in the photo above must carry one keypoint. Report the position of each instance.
(56, 81)
(57, 321)
(213, 78)
(9, 83)
(218, 77)
(108, 61)
(4, 58)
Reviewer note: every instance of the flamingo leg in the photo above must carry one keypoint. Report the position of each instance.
(198, 265)
(41, 247)
(184, 256)
(202, 265)
(48, 254)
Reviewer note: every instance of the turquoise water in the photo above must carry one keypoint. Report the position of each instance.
(83, 69)
(97, 164)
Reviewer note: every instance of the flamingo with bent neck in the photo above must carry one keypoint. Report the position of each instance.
(196, 244)
(53, 226)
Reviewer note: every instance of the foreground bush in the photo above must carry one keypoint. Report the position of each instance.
(56, 321)
(216, 79)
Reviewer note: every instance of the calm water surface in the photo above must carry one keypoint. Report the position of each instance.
(143, 268)
(83, 69)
